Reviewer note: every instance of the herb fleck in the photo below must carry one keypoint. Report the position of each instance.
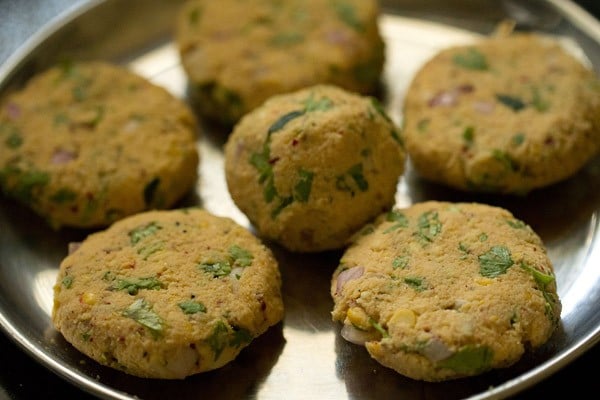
(67, 281)
(303, 186)
(495, 262)
(471, 59)
(416, 283)
(399, 218)
(514, 103)
(400, 262)
(192, 307)
(133, 285)
(346, 13)
(141, 232)
(469, 360)
(141, 312)
(429, 225)
(218, 339)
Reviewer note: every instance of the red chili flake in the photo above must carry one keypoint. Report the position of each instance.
(295, 142)
(465, 88)
(549, 141)
(274, 160)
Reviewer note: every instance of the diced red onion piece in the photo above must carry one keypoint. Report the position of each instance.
(348, 275)
(356, 336)
(444, 99)
(61, 156)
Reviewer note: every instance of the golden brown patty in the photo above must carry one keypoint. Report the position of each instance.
(439, 291)
(507, 115)
(167, 294)
(85, 144)
(309, 168)
(239, 53)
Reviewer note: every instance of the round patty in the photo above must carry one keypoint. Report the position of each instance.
(439, 291)
(84, 144)
(167, 294)
(506, 114)
(310, 168)
(239, 53)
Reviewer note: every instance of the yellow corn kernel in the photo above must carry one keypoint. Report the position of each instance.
(403, 317)
(484, 281)
(359, 318)
(88, 298)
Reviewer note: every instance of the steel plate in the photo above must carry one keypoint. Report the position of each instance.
(304, 356)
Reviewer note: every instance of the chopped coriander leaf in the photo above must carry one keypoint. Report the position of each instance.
(218, 338)
(540, 278)
(505, 159)
(400, 262)
(192, 307)
(133, 285)
(399, 218)
(379, 108)
(63, 195)
(537, 102)
(283, 120)
(28, 182)
(429, 225)
(219, 268)
(67, 281)
(194, 16)
(356, 172)
(241, 257)
(347, 14)
(516, 223)
(240, 337)
(283, 203)
(496, 261)
(514, 103)
(322, 104)
(464, 248)
(150, 191)
(14, 140)
(260, 161)
(141, 312)
(270, 191)
(416, 283)
(303, 186)
(468, 135)
(483, 237)
(469, 359)
(379, 328)
(517, 139)
(471, 59)
(141, 232)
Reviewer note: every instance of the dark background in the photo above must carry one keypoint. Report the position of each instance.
(23, 378)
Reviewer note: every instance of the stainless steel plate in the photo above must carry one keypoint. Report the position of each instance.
(304, 357)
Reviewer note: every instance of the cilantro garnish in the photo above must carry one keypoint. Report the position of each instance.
(517, 139)
(429, 225)
(141, 312)
(283, 120)
(141, 232)
(14, 140)
(379, 328)
(67, 281)
(218, 339)
(471, 59)
(352, 179)
(469, 359)
(399, 218)
(240, 337)
(192, 307)
(400, 262)
(496, 261)
(219, 268)
(514, 103)
(516, 223)
(468, 135)
(241, 257)
(303, 186)
(133, 285)
(347, 13)
(416, 283)
(63, 195)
